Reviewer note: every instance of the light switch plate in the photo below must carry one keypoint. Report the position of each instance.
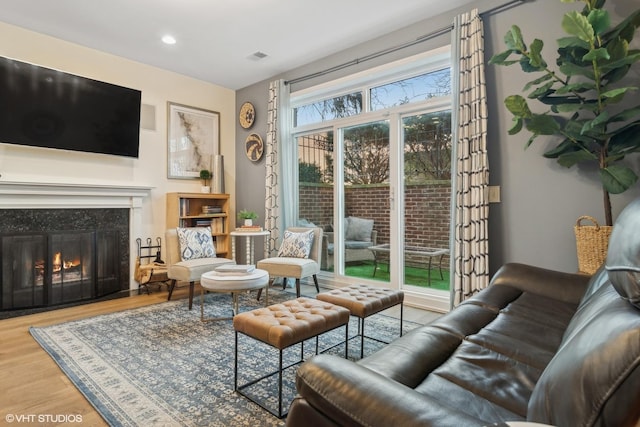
(494, 194)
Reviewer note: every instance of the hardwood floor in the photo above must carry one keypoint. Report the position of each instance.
(33, 386)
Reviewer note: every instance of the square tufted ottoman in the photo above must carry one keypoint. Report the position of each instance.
(283, 325)
(364, 301)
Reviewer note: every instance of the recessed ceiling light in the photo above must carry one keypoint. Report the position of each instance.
(168, 39)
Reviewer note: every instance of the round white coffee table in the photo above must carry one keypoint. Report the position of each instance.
(213, 281)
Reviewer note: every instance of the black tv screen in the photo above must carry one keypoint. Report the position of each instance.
(43, 107)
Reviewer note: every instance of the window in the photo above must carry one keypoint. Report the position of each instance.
(413, 89)
(376, 147)
(328, 109)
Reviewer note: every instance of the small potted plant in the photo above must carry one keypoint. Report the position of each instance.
(205, 176)
(247, 216)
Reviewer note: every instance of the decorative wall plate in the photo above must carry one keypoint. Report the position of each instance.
(247, 115)
(254, 147)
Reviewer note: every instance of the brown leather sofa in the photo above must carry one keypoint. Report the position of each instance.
(536, 345)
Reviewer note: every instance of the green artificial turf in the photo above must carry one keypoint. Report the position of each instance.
(412, 275)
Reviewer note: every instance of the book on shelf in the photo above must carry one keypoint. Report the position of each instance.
(184, 207)
(217, 225)
(210, 210)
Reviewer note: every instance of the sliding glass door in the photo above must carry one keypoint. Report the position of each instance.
(426, 193)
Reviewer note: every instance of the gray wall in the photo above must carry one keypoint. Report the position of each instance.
(540, 200)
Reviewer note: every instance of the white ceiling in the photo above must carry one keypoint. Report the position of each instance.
(216, 39)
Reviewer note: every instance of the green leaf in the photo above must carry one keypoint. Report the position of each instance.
(617, 179)
(599, 20)
(537, 81)
(566, 146)
(596, 54)
(618, 48)
(569, 159)
(570, 108)
(513, 40)
(570, 69)
(535, 51)
(625, 29)
(500, 58)
(633, 57)
(616, 75)
(617, 92)
(627, 114)
(526, 66)
(577, 25)
(557, 100)
(598, 121)
(566, 42)
(576, 87)
(626, 139)
(517, 105)
(541, 91)
(542, 124)
(517, 126)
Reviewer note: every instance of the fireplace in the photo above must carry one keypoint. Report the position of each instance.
(58, 256)
(101, 219)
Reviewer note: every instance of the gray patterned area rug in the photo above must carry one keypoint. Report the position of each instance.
(161, 366)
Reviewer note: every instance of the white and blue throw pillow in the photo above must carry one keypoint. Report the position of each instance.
(296, 245)
(196, 242)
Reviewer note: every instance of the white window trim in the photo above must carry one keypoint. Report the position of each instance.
(394, 71)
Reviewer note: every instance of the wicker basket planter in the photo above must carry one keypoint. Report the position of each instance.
(592, 242)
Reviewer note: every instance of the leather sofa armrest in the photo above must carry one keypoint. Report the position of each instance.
(568, 287)
(351, 394)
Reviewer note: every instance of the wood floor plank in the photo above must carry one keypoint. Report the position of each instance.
(32, 383)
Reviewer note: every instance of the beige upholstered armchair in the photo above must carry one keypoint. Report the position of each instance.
(189, 270)
(297, 267)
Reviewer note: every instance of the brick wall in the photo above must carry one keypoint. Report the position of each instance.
(426, 215)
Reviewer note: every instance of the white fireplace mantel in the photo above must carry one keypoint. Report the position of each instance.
(44, 195)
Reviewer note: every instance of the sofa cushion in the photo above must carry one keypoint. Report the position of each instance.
(358, 229)
(593, 378)
(623, 257)
(493, 372)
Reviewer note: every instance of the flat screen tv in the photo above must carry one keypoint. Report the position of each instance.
(42, 107)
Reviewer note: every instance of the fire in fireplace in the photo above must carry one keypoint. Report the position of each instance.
(45, 268)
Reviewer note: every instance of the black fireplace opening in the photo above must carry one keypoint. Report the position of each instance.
(59, 256)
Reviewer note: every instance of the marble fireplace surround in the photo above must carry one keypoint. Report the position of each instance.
(42, 195)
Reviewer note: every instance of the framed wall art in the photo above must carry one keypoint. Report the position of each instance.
(193, 139)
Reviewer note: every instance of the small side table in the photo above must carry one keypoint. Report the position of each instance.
(249, 244)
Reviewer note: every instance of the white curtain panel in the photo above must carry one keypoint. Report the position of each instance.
(471, 205)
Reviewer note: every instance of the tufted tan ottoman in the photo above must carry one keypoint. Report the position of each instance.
(363, 301)
(283, 325)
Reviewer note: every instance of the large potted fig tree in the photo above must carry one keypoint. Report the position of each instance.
(590, 105)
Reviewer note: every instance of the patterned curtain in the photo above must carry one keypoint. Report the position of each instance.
(470, 246)
(280, 203)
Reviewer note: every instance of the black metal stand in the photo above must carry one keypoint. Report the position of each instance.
(152, 271)
(279, 413)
